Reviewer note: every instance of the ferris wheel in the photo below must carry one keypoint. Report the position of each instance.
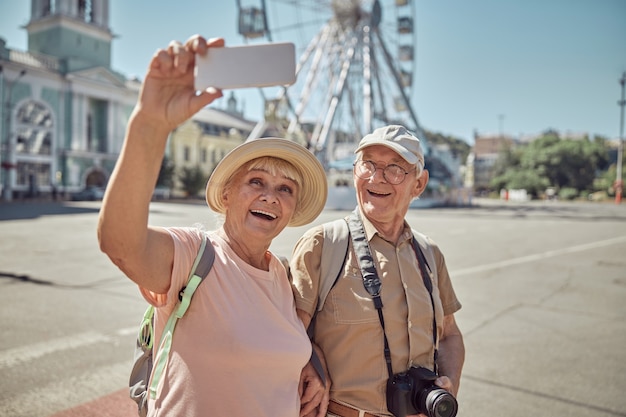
(355, 70)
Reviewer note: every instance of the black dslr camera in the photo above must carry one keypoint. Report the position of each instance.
(414, 392)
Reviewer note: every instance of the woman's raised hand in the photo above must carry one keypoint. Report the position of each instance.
(168, 96)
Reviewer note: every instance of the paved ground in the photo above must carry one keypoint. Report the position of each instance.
(543, 287)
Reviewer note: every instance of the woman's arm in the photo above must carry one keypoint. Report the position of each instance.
(167, 98)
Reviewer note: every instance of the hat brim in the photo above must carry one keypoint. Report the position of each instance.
(313, 192)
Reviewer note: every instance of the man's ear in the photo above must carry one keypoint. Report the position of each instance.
(422, 181)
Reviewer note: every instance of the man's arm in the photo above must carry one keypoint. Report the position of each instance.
(451, 355)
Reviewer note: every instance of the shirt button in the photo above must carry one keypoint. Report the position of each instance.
(410, 324)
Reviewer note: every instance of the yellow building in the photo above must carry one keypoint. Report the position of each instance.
(203, 141)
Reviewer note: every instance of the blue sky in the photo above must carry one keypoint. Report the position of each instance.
(520, 66)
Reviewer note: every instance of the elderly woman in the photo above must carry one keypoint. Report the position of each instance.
(240, 350)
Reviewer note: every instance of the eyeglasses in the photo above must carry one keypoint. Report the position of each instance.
(393, 174)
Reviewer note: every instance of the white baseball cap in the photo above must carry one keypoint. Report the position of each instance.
(398, 139)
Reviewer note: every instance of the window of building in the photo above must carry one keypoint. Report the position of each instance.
(33, 175)
(33, 145)
(33, 129)
(97, 125)
(85, 10)
(47, 8)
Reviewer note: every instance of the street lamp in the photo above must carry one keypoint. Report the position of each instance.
(620, 149)
(7, 154)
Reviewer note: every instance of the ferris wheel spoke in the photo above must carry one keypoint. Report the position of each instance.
(311, 80)
(338, 91)
(389, 61)
(367, 81)
(283, 96)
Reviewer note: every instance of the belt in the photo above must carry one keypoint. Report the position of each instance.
(344, 410)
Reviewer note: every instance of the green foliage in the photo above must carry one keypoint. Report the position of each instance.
(193, 180)
(459, 148)
(606, 181)
(551, 161)
(508, 157)
(517, 178)
(166, 174)
(568, 193)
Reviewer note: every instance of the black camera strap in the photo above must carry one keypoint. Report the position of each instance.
(421, 260)
(372, 282)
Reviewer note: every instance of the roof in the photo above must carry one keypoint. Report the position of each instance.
(223, 118)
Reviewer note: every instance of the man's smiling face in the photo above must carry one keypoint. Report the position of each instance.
(379, 200)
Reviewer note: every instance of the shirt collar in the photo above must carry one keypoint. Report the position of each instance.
(370, 230)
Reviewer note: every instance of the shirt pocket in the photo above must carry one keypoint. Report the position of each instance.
(351, 302)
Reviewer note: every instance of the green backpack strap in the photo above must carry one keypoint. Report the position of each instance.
(201, 267)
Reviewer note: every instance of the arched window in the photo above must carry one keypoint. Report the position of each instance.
(33, 129)
(33, 146)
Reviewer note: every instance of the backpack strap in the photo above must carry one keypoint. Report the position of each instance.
(334, 255)
(427, 251)
(201, 267)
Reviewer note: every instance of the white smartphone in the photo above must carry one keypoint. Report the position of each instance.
(260, 65)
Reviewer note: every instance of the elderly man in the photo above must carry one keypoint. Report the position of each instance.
(387, 327)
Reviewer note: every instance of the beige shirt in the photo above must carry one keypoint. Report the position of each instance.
(348, 328)
(240, 348)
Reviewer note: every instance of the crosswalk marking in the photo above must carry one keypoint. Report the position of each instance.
(538, 256)
(23, 354)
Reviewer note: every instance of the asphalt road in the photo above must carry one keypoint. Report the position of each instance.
(543, 287)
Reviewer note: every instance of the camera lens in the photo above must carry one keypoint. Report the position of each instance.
(438, 402)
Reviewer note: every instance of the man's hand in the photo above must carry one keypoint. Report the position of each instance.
(314, 396)
(442, 382)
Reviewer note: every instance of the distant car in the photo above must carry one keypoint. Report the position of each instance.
(90, 193)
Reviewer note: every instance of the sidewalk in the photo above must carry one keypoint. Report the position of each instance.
(117, 404)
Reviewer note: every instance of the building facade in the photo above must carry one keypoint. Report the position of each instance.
(202, 141)
(64, 110)
(481, 161)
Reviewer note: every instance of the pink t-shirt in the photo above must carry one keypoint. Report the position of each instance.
(240, 348)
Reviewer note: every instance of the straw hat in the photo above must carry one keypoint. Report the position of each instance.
(313, 192)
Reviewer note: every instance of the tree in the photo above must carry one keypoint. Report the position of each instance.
(552, 161)
(507, 157)
(606, 181)
(193, 180)
(166, 173)
(566, 162)
(517, 178)
(458, 147)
